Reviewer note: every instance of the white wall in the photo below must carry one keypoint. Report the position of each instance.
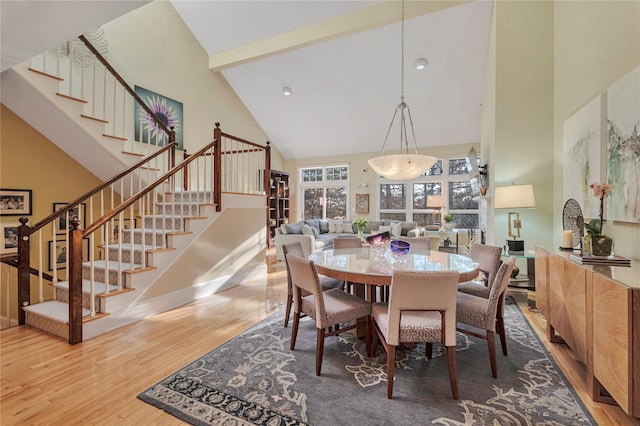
(596, 43)
(152, 47)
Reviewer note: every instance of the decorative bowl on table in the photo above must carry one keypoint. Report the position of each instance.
(400, 247)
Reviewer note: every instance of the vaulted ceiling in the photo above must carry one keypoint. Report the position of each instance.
(341, 59)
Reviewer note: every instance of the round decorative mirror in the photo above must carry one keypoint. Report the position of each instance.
(573, 220)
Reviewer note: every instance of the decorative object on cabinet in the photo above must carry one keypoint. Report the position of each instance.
(601, 244)
(448, 224)
(15, 202)
(572, 220)
(623, 118)
(515, 197)
(278, 213)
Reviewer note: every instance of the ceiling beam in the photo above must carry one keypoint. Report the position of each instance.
(350, 23)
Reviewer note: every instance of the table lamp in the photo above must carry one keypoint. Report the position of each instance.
(513, 198)
(435, 202)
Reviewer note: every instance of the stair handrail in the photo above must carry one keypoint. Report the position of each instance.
(135, 197)
(124, 84)
(47, 220)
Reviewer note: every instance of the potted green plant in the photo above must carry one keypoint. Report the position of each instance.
(361, 223)
(448, 222)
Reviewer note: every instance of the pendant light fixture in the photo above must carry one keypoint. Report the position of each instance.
(405, 165)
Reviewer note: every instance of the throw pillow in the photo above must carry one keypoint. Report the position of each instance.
(324, 226)
(333, 226)
(396, 229)
(314, 223)
(294, 228)
(408, 226)
(310, 230)
(384, 229)
(345, 228)
(283, 229)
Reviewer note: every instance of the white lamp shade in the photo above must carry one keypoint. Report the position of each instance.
(514, 197)
(435, 201)
(402, 166)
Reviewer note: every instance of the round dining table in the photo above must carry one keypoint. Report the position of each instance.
(375, 265)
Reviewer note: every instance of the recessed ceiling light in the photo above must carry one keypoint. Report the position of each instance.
(286, 91)
(420, 64)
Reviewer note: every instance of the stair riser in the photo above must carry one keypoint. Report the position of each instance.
(190, 197)
(182, 209)
(163, 223)
(100, 275)
(56, 328)
(62, 294)
(139, 258)
(148, 240)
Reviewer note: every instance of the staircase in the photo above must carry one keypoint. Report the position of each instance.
(146, 226)
(138, 250)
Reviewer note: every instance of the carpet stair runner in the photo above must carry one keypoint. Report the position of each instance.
(53, 316)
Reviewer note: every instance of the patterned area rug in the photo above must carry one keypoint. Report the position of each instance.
(254, 379)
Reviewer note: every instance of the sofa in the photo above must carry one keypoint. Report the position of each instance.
(318, 234)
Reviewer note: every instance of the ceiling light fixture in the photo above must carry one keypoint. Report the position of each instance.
(286, 91)
(404, 165)
(420, 64)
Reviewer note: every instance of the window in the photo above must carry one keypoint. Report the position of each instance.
(410, 200)
(324, 191)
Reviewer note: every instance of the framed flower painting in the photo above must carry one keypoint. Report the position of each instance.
(169, 111)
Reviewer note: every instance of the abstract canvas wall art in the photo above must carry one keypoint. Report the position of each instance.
(623, 147)
(583, 144)
(168, 111)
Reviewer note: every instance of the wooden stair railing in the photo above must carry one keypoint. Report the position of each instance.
(162, 199)
(103, 196)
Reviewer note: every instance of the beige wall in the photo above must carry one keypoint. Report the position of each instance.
(523, 145)
(596, 43)
(361, 174)
(28, 160)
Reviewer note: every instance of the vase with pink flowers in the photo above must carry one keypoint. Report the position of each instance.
(601, 244)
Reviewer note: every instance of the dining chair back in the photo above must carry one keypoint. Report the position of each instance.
(326, 283)
(480, 313)
(334, 311)
(421, 308)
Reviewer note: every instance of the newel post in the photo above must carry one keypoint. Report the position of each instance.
(217, 167)
(75, 281)
(24, 264)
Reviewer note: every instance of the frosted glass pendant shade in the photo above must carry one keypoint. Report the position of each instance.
(401, 166)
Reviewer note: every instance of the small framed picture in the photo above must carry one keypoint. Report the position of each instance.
(15, 202)
(9, 237)
(362, 203)
(79, 210)
(58, 253)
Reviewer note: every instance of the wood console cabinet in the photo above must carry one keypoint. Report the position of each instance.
(595, 310)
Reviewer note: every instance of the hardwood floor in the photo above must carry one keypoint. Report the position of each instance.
(46, 381)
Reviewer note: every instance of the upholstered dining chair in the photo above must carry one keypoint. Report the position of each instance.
(421, 308)
(326, 283)
(488, 258)
(479, 313)
(329, 309)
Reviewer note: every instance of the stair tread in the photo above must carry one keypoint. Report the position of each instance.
(53, 309)
(112, 264)
(127, 246)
